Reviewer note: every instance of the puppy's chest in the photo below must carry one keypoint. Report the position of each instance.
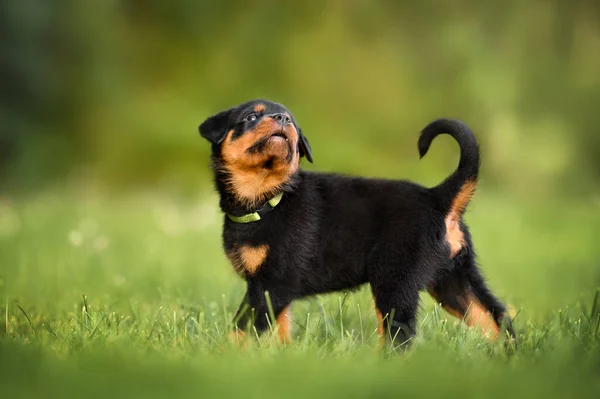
(247, 259)
(248, 250)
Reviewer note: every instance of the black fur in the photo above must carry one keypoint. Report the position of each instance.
(332, 232)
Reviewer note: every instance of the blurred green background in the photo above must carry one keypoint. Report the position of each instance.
(105, 188)
(114, 90)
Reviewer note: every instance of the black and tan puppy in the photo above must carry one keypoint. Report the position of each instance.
(295, 233)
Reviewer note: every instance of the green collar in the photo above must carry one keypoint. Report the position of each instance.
(256, 216)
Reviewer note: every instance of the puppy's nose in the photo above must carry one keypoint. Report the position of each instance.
(282, 118)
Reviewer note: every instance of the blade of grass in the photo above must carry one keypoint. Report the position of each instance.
(362, 333)
(104, 319)
(340, 302)
(85, 311)
(6, 325)
(154, 324)
(270, 306)
(27, 317)
(306, 330)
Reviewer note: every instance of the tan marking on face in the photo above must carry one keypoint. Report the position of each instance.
(454, 235)
(259, 108)
(247, 259)
(284, 326)
(248, 177)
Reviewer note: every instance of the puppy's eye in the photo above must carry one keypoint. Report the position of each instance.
(251, 118)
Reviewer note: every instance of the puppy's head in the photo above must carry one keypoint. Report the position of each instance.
(257, 147)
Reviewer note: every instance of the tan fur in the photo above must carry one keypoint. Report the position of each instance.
(238, 338)
(454, 235)
(284, 330)
(380, 327)
(454, 312)
(284, 326)
(247, 259)
(476, 314)
(259, 108)
(248, 179)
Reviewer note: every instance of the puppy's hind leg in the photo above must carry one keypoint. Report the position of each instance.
(463, 293)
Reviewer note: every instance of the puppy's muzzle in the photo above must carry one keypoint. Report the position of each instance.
(281, 118)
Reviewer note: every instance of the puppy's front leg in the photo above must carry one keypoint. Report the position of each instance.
(254, 311)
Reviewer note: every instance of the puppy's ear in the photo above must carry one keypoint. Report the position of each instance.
(304, 146)
(214, 129)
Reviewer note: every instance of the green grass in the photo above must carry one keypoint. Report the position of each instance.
(132, 296)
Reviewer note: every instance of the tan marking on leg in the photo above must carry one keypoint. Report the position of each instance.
(453, 311)
(238, 338)
(380, 326)
(478, 316)
(284, 326)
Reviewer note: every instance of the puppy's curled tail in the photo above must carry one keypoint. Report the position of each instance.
(455, 192)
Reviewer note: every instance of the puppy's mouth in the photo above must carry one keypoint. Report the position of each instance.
(276, 137)
(279, 135)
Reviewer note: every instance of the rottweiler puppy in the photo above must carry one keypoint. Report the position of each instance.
(291, 233)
